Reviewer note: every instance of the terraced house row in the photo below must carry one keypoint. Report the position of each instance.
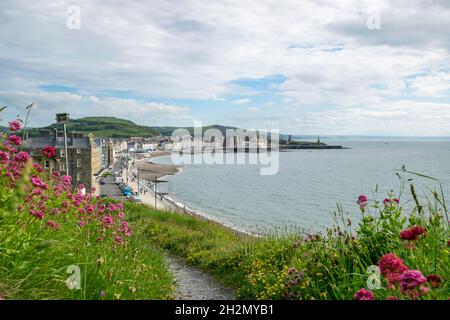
(87, 155)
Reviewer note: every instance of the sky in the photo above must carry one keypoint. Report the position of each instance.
(318, 67)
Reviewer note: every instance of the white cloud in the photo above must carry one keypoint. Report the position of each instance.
(241, 101)
(46, 105)
(196, 50)
(433, 85)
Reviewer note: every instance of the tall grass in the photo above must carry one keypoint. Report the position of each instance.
(332, 265)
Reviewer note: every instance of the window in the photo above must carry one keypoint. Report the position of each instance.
(62, 167)
(47, 164)
(78, 150)
(78, 176)
(78, 163)
(62, 153)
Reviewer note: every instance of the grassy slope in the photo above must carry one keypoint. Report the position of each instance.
(38, 271)
(333, 267)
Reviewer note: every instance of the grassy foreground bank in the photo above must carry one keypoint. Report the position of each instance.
(390, 255)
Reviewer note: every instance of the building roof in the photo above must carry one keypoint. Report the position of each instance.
(41, 142)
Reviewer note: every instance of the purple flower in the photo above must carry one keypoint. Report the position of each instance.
(411, 279)
(364, 294)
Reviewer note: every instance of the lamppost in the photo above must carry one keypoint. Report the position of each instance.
(64, 119)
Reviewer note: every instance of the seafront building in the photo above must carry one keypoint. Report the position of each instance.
(84, 154)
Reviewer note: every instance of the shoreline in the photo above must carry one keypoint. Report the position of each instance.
(169, 203)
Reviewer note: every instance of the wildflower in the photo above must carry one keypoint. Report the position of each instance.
(22, 157)
(118, 239)
(14, 140)
(413, 233)
(364, 294)
(37, 213)
(411, 279)
(52, 224)
(125, 229)
(81, 223)
(362, 201)
(434, 280)
(38, 167)
(39, 183)
(390, 263)
(102, 294)
(391, 298)
(66, 179)
(387, 202)
(15, 125)
(54, 211)
(49, 152)
(116, 296)
(132, 290)
(4, 156)
(397, 200)
(107, 220)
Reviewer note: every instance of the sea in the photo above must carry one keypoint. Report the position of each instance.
(311, 184)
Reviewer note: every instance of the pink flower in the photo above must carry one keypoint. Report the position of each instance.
(364, 294)
(391, 298)
(38, 183)
(107, 220)
(14, 140)
(390, 263)
(52, 224)
(392, 267)
(38, 167)
(397, 200)
(36, 213)
(4, 156)
(125, 229)
(411, 279)
(80, 186)
(82, 223)
(22, 157)
(413, 233)
(118, 239)
(387, 202)
(49, 152)
(66, 179)
(15, 125)
(362, 201)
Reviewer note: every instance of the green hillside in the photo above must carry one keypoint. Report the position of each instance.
(118, 128)
(103, 127)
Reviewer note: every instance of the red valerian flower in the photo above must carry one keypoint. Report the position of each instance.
(15, 125)
(362, 201)
(434, 280)
(14, 140)
(411, 279)
(22, 157)
(413, 233)
(49, 152)
(364, 294)
(4, 156)
(39, 183)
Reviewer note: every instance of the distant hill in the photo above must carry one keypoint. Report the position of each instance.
(111, 127)
(103, 127)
